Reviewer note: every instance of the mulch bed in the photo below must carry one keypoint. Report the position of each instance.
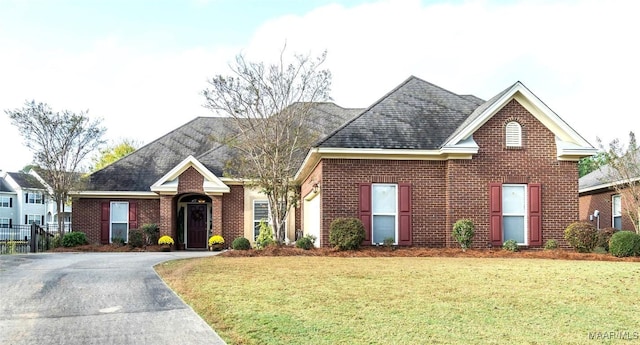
(559, 254)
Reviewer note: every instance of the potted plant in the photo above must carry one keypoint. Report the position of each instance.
(216, 242)
(166, 242)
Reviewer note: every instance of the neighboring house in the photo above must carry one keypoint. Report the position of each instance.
(408, 166)
(597, 192)
(27, 202)
(24, 199)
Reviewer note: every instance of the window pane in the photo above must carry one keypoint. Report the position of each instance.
(119, 212)
(119, 230)
(513, 228)
(617, 205)
(260, 211)
(617, 223)
(513, 200)
(383, 227)
(384, 199)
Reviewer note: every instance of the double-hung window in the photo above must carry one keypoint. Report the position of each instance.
(260, 214)
(514, 213)
(384, 211)
(5, 223)
(616, 212)
(119, 220)
(6, 201)
(34, 198)
(33, 218)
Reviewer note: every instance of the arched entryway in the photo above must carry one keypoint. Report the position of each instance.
(194, 220)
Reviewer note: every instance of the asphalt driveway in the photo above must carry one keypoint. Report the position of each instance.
(94, 298)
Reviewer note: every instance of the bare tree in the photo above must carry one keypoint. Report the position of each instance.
(623, 171)
(59, 141)
(270, 108)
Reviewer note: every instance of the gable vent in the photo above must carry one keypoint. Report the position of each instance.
(513, 132)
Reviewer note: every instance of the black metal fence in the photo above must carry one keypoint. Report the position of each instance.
(26, 239)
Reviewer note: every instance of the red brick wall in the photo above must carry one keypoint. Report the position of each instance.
(190, 181)
(535, 162)
(340, 193)
(233, 214)
(87, 212)
(435, 208)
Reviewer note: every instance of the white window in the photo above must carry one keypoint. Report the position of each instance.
(616, 211)
(513, 134)
(119, 224)
(260, 214)
(33, 218)
(34, 198)
(5, 223)
(384, 210)
(5, 201)
(514, 212)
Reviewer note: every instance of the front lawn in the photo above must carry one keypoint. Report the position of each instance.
(411, 300)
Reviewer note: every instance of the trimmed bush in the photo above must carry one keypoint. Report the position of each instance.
(604, 235)
(73, 239)
(151, 232)
(265, 236)
(136, 238)
(463, 232)
(241, 243)
(56, 241)
(624, 243)
(346, 233)
(582, 236)
(510, 245)
(305, 243)
(551, 245)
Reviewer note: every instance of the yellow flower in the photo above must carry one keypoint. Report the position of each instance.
(216, 239)
(165, 240)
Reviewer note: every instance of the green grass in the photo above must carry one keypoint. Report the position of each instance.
(329, 300)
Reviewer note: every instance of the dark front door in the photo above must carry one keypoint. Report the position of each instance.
(197, 226)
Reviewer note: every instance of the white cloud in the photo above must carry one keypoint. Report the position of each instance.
(579, 57)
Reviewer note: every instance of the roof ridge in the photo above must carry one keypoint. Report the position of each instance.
(327, 137)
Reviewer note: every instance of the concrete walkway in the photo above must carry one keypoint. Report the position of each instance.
(95, 298)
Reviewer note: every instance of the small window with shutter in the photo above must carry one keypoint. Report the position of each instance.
(513, 134)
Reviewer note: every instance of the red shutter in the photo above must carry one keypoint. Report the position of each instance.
(535, 214)
(104, 222)
(133, 215)
(404, 214)
(364, 213)
(495, 213)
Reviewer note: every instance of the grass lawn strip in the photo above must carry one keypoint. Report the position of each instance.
(404, 300)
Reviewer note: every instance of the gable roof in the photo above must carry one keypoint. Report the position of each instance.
(414, 115)
(419, 120)
(570, 144)
(25, 180)
(5, 187)
(150, 164)
(169, 183)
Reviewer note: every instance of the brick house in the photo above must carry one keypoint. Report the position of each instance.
(408, 166)
(597, 192)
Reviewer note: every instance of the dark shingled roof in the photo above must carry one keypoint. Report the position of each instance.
(415, 115)
(26, 180)
(140, 169)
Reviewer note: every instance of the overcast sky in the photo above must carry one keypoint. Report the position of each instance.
(140, 65)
